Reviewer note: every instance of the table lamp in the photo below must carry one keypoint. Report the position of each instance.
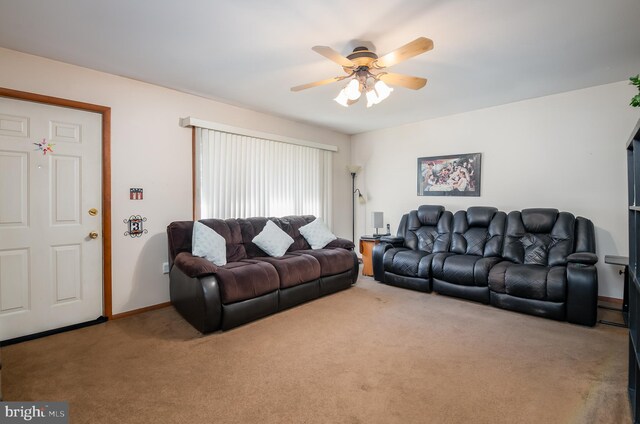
(378, 221)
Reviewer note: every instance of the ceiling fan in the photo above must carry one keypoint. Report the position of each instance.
(367, 72)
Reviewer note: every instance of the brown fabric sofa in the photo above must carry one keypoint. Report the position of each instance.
(252, 284)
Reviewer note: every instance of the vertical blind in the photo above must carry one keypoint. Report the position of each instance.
(239, 176)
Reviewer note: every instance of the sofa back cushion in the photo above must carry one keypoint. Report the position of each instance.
(291, 225)
(478, 231)
(249, 228)
(428, 229)
(230, 230)
(539, 237)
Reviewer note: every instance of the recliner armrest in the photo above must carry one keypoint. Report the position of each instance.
(584, 258)
(582, 294)
(377, 258)
(194, 266)
(395, 241)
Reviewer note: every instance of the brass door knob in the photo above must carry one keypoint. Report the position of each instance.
(93, 235)
(93, 211)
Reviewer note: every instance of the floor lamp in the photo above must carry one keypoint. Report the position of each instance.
(353, 170)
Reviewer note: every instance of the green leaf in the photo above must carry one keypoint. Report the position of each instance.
(635, 100)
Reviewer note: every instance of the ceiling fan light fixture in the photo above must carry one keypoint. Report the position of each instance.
(342, 99)
(352, 90)
(365, 71)
(372, 98)
(383, 90)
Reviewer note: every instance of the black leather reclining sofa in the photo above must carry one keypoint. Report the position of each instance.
(536, 261)
(252, 284)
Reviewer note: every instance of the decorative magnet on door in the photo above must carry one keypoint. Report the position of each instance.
(44, 146)
(135, 223)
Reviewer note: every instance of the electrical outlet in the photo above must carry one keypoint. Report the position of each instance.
(165, 267)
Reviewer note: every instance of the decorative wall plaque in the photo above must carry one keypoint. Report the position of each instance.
(135, 223)
(135, 194)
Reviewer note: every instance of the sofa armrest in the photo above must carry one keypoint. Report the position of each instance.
(584, 258)
(196, 299)
(342, 243)
(194, 266)
(395, 241)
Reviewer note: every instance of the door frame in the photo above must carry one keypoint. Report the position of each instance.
(106, 177)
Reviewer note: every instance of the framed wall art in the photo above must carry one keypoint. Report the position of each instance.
(452, 175)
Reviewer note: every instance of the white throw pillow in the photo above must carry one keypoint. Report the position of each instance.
(273, 240)
(208, 244)
(317, 234)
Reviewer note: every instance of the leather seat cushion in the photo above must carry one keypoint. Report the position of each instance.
(411, 263)
(292, 269)
(461, 269)
(332, 261)
(244, 280)
(529, 281)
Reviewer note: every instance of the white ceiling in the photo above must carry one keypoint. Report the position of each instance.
(250, 52)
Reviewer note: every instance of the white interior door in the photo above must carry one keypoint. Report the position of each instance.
(50, 267)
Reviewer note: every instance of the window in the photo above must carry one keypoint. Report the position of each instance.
(239, 176)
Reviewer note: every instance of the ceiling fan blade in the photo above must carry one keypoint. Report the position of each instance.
(317, 83)
(333, 55)
(409, 50)
(406, 81)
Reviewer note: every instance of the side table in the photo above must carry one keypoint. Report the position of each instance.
(622, 261)
(366, 249)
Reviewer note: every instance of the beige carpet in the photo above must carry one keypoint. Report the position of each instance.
(370, 354)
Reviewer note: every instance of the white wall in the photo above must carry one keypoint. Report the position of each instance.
(150, 150)
(565, 151)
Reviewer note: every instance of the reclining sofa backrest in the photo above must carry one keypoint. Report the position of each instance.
(478, 231)
(539, 237)
(291, 225)
(231, 231)
(238, 234)
(179, 235)
(428, 229)
(251, 227)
